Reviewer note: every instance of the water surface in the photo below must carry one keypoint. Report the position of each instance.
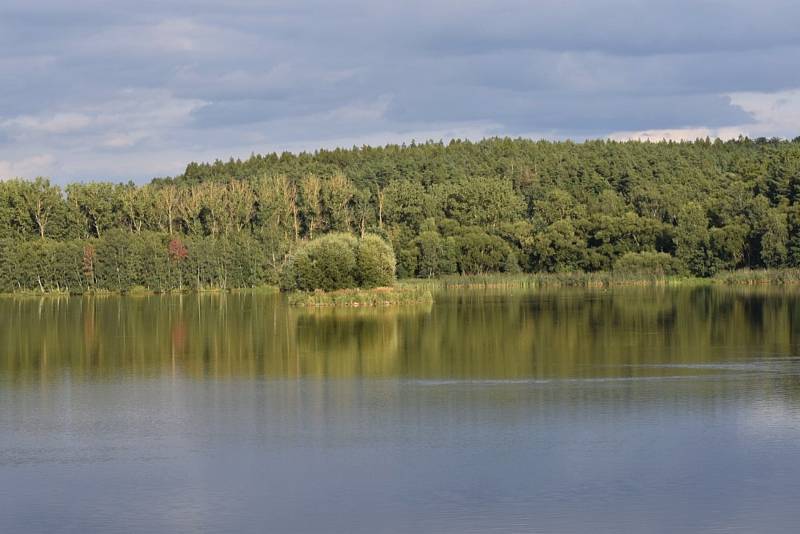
(662, 410)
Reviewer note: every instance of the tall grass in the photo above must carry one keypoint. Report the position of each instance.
(381, 296)
(759, 277)
(542, 280)
(607, 279)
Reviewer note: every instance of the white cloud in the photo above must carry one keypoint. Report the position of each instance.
(677, 134)
(88, 141)
(142, 113)
(362, 111)
(774, 114)
(58, 123)
(129, 117)
(38, 165)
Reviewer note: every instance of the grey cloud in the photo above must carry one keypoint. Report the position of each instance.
(203, 78)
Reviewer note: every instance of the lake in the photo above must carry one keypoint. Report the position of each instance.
(566, 411)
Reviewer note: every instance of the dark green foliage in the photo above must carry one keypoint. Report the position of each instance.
(327, 263)
(479, 252)
(648, 263)
(436, 255)
(339, 261)
(499, 205)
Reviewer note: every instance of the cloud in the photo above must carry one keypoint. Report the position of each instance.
(130, 116)
(772, 115)
(135, 89)
(775, 114)
(38, 165)
(56, 124)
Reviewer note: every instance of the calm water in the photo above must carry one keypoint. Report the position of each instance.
(557, 412)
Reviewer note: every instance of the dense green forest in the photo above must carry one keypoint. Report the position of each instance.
(499, 205)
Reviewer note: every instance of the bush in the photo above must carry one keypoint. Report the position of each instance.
(339, 261)
(648, 263)
(375, 262)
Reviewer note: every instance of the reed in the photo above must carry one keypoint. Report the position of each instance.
(759, 277)
(550, 280)
(381, 296)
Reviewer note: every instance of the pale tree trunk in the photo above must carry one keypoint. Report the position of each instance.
(380, 208)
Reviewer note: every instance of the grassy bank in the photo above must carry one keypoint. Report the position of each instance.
(137, 291)
(551, 280)
(775, 277)
(381, 296)
(419, 290)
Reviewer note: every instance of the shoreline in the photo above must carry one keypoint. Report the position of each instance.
(588, 280)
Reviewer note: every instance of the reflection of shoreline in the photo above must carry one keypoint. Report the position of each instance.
(468, 334)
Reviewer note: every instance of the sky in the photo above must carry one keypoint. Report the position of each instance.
(98, 90)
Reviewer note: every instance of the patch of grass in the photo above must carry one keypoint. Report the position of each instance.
(775, 277)
(25, 293)
(355, 298)
(550, 280)
(759, 277)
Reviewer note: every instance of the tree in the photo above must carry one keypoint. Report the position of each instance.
(40, 200)
(479, 201)
(166, 201)
(177, 255)
(405, 202)
(692, 240)
(362, 210)
(190, 208)
(98, 202)
(480, 253)
(311, 191)
(213, 209)
(240, 204)
(88, 265)
(559, 247)
(774, 251)
(137, 205)
(436, 255)
(337, 193)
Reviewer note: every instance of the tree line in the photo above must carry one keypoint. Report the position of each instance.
(498, 205)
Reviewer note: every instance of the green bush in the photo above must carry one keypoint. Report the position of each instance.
(375, 262)
(648, 263)
(339, 261)
(327, 263)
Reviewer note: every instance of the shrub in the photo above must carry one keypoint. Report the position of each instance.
(327, 263)
(375, 262)
(648, 263)
(339, 261)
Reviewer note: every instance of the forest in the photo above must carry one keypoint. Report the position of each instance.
(497, 205)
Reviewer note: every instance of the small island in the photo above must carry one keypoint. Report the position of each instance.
(341, 270)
